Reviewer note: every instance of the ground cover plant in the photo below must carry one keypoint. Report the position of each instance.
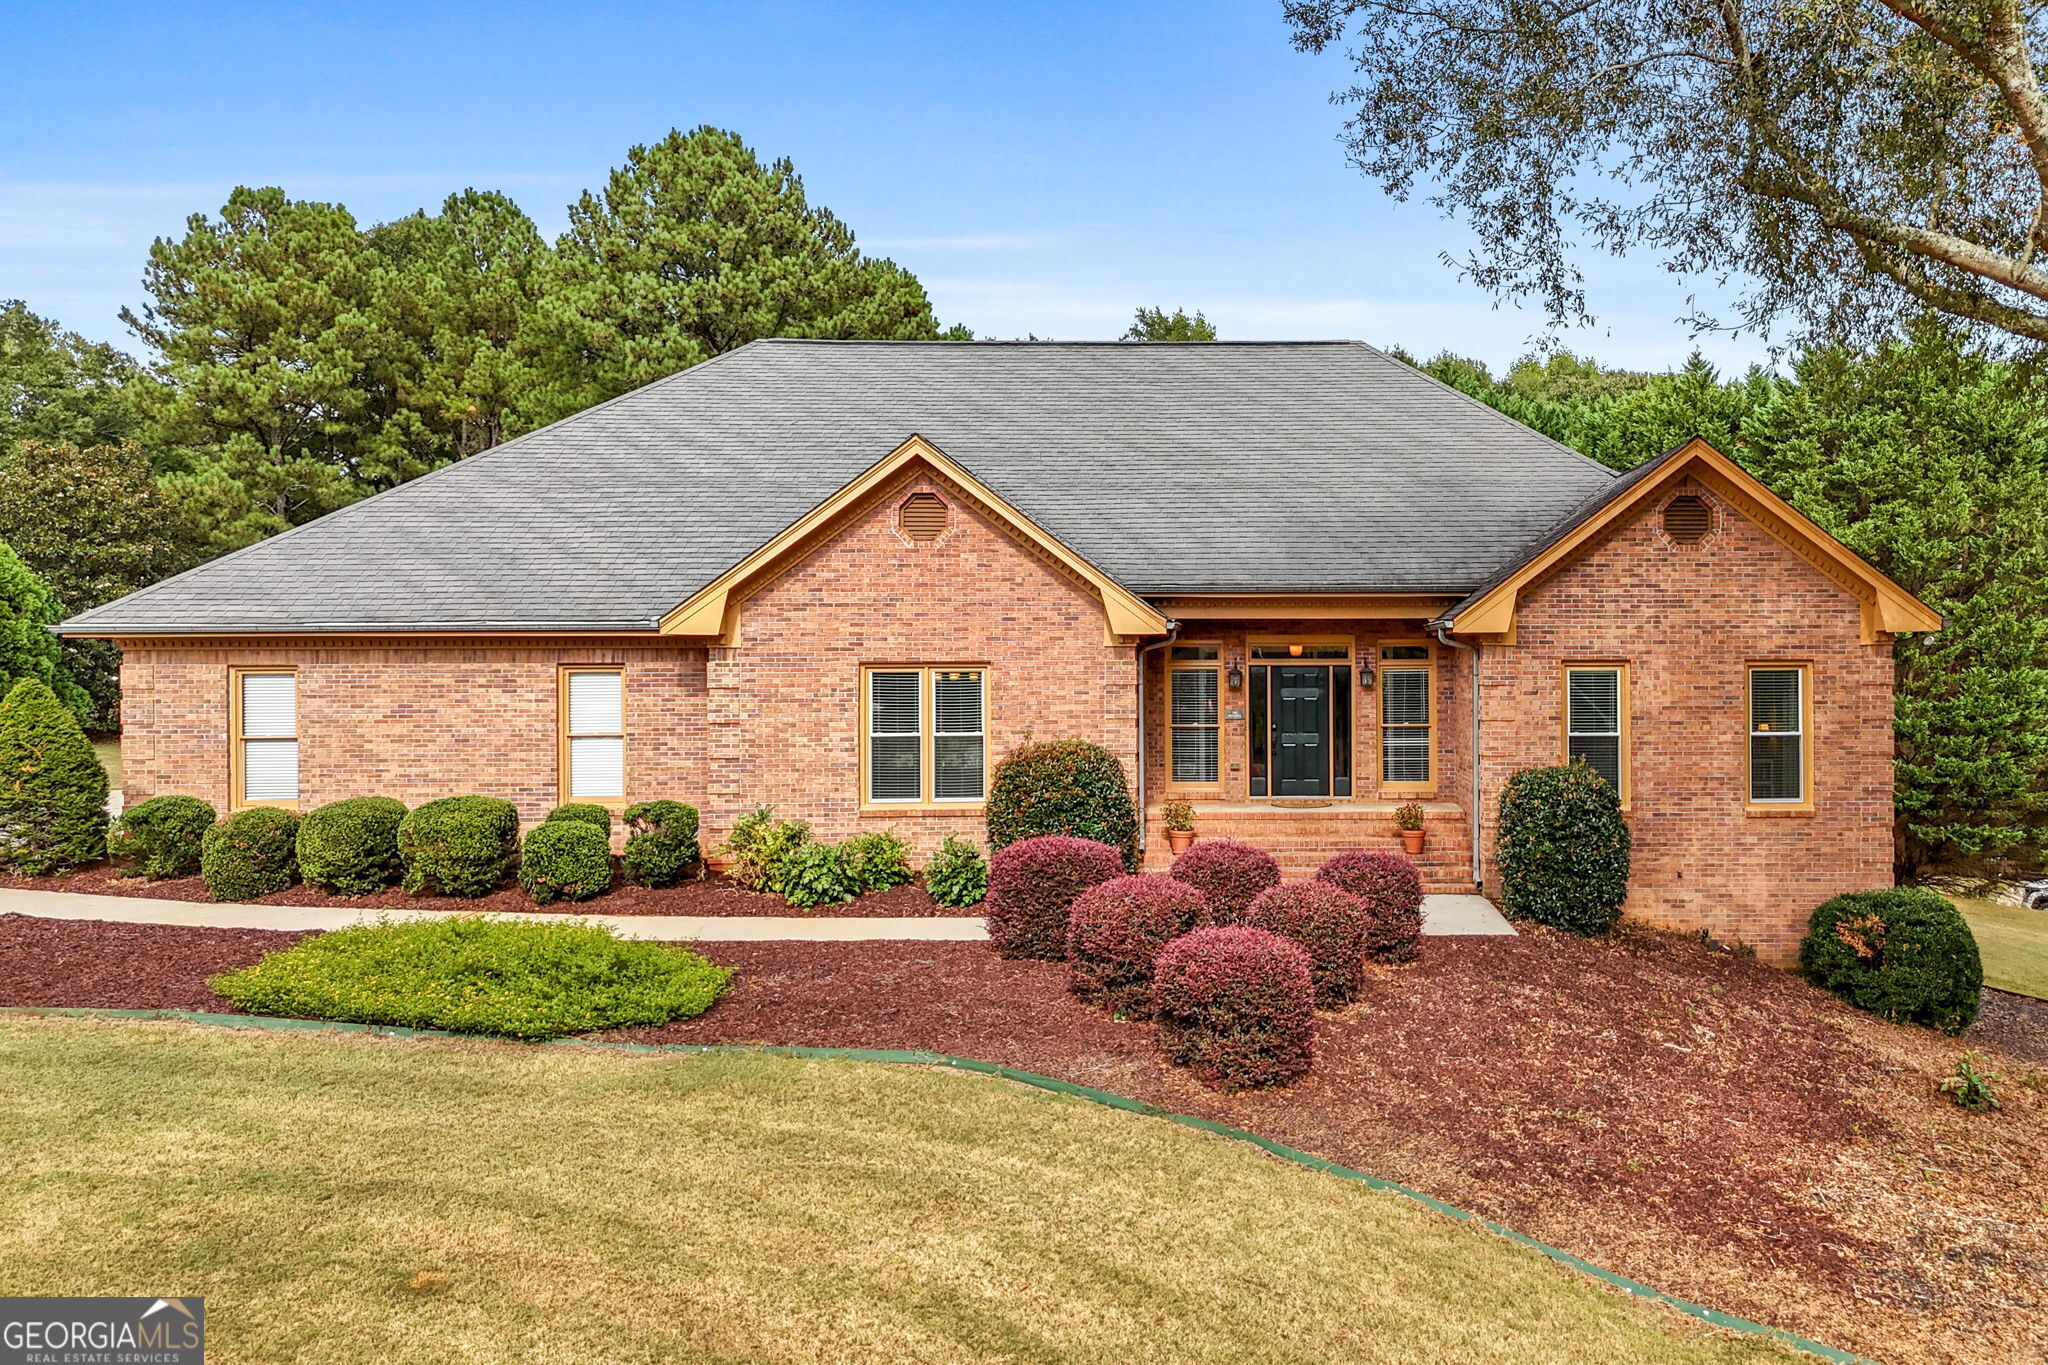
(479, 976)
(876, 861)
(814, 874)
(663, 843)
(160, 837)
(351, 847)
(251, 853)
(1236, 1006)
(957, 876)
(1389, 885)
(565, 860)
(1563, 849)
(1064, 786)
(1115, 931)
(1032, 883)
(1229, 874)
(458, 845)
(766, 1222)
(1903, 953)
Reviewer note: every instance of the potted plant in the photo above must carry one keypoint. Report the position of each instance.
(1408, 821)
(1180, 825)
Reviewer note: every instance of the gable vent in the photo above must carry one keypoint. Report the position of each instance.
(922, 517)
(1687, 519)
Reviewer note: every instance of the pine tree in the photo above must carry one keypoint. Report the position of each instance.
(53, 791)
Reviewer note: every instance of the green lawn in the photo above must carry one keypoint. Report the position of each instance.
(2014, 943)
(352, 1198)
(109, 751)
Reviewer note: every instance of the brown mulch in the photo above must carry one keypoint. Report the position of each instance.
(713, 894)
(1692, 1118)
(2013, 1024)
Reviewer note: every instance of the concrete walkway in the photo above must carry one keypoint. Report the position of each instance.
(1442, 915)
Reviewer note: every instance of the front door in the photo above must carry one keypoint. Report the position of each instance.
(1301, 730)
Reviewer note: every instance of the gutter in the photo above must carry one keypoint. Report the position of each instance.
(1442, 632)
(1172, 633)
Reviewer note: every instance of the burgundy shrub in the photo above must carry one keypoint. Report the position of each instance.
(1237, 1005)
(1114, 934)
(1230, 874)
(1030, 885)
(1329, 923)
(1391, 888)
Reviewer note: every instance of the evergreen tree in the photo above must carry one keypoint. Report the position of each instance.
(28, 651)
(1156, 324)
(57, 386)
(53, 791)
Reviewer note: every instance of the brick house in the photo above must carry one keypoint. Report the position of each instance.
(1295, 584)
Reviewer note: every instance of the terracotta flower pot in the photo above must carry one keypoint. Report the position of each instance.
(1179, 839)
(1411, 840)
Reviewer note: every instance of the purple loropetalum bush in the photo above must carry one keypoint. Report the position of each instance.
(1391, 888)
(1030, 885)
(1235, 1005)
(1330, 924)
(1115, 931)
(1230, 874)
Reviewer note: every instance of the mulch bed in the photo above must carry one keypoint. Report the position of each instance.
(1689, 1117)
(713, 894)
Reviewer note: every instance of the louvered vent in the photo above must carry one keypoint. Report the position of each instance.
(923, 517)
(1687, 520)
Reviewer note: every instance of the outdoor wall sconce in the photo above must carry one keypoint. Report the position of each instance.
(1236, 674)
(1365, 678)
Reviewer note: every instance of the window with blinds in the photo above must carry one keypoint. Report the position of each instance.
(1595, 700)
(927, 734)
(1777, 734)
(1192, 700)
(1406, 673)
(266, 738)
(594, 734)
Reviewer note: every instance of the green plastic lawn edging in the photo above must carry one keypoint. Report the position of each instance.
(1712, 1316)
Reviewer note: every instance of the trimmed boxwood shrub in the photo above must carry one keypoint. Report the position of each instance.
(663, 845)
(1229, 874)
(1063, 786)
(351, 847)
(958, 876)
(1237, 1005)
(161, 836)
(458, 845)
(1329, 924)
(53, 791)
(1390, 887)
(876, 861)
(758, 845)
(1115, 931)
(589, 812)
(251, 853)
(816, 874)
(1563, 849)
(565, 860)
(1030, 886)
(1905, 954)
(480, 976)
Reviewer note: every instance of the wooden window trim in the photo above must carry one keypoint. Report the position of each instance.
(562, 737)
(1405, 790)
(1805, 804)
(236, 774)
(1564, 716)
(928, 726)
(1355, 710)
(1215, 666)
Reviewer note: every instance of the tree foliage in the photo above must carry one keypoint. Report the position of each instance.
(1156, 324)
(28, 651)
(57, 386)
(1850, 158)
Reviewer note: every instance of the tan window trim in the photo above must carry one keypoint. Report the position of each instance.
(928, 723)
(1404, 790)
(1805, 804)
(563, 736)
(236, 774)
(1214, 666)
(1564, 719)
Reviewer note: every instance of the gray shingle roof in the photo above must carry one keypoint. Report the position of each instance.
(1223, 467)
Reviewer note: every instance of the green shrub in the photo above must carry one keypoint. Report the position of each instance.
(160, 837)
(958, 876)
(351, 847)
(663, 845)
(479, 976)
(458, 845)
(816, 874)
(876, 861)
(1065, 786)
(565, 860)
(53, 791)
(1563, 849)
(1904, 954)
(28, 651)
(758, 845)
(588, 812)
(251, 853)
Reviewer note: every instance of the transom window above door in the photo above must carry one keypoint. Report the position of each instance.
(925, 735)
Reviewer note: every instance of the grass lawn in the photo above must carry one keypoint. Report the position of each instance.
(109, 751)
(361, 1199)
(2014, 943)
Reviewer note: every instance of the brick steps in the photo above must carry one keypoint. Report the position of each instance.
(1300, 840)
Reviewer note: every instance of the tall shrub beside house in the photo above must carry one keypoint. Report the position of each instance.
(1903, 953)
(663, 842)
(1031, 884)
(1064, 786)
(53, 791)
(1563, 849)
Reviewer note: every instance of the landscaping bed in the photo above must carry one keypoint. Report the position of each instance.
(714, 894)
(1694, 1119)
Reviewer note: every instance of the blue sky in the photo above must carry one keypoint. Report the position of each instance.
(1043, 168)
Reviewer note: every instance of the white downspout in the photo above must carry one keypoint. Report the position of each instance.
(1172, 632)
(1442, 634)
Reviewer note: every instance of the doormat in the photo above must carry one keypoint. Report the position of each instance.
(1302, 803)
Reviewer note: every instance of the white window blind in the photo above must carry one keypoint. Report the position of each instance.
(1193, 702)
(958, 739)
(1593, 720)
(596, 719)
(895, 736)
(269, 715)
(1777, 738)
(1404, 724)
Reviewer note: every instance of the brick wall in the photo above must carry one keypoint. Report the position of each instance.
(1687, 620)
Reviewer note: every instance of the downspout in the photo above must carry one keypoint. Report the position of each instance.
(1442, 633)
(1172, 632)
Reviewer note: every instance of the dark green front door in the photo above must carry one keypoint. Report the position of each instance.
(1301, 730)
